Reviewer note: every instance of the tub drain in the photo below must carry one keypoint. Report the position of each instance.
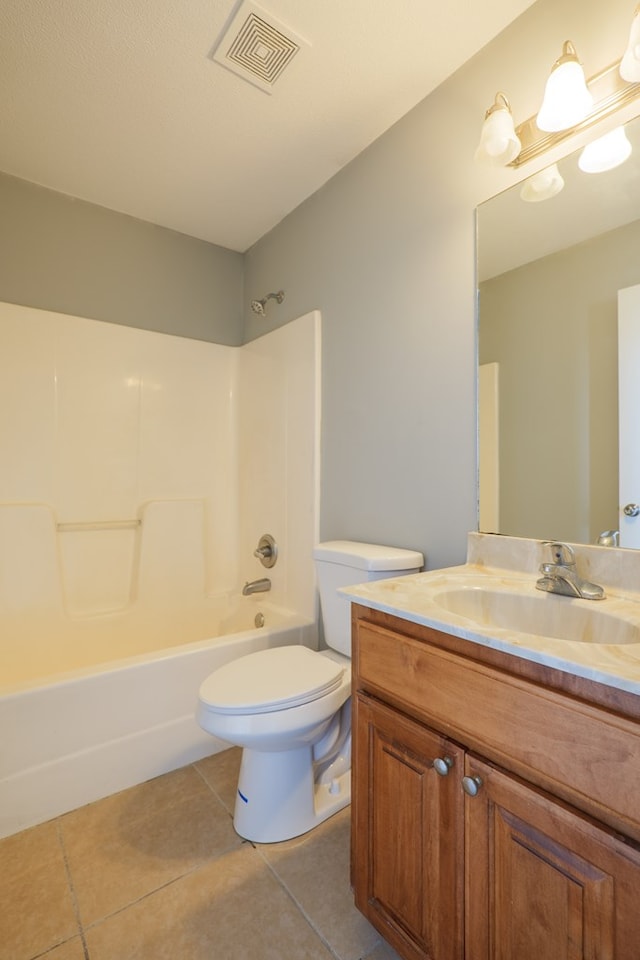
(259, 620)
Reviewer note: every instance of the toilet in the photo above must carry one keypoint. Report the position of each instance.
(289, 708)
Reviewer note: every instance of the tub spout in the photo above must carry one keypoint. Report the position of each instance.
(256, 586)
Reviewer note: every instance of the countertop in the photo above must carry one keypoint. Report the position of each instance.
(415, 598)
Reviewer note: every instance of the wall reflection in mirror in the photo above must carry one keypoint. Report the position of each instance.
(549, 274)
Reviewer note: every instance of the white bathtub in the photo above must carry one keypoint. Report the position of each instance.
(90, 732)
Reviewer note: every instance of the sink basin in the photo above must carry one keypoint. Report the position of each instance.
(541, 614)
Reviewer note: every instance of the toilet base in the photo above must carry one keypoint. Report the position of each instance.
(277, 798)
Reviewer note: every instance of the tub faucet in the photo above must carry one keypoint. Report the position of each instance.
(561, 576)
(256, 586)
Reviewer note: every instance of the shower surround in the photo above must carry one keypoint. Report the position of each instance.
(139, 472)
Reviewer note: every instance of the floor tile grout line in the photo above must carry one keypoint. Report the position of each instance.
(211, 788)
(150, 893)
(71, 886)
(188, 872)
(83, 930)
(257, 847)
(331, 950)
(296, 903)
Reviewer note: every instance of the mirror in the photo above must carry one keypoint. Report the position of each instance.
(548, 275)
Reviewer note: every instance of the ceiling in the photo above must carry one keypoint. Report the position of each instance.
(119, 102)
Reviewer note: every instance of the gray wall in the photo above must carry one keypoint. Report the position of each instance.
(386, 251)
(398, 420)
(65, 255)
(552, 327)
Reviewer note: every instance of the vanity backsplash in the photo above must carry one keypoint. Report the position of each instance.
(617, 569)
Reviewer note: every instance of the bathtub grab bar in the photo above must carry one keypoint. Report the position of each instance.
(97, 525)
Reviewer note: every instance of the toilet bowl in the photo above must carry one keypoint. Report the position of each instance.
(285, 708)
(289, 708)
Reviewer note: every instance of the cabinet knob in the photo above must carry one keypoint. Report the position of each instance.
(471, 785)
(442, 765)
(631, 510)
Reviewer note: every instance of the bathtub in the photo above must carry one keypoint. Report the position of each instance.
(85, 733)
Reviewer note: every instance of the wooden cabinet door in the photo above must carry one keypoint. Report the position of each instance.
(542, 882)
(407, 838)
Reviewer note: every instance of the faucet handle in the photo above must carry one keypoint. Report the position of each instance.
(562, 552)
(267, 551)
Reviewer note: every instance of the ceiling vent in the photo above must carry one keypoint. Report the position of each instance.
(257, 47)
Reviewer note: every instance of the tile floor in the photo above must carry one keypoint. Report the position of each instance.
(157, 873)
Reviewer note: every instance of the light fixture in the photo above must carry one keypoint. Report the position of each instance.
(567, 99)
(571, 105)
(630, 63)
(606, 152)
(543, 185)
(498, 141)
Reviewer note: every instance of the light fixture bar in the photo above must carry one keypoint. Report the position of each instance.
(610, 93)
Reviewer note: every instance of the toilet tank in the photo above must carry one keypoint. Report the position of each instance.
(344, 563)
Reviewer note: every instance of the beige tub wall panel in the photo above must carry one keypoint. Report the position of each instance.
(62, 610)
(188, 440)
(98, 569)
(96, 369)
(27, 405)
(172, 574)
(31, 598)
(278, 450)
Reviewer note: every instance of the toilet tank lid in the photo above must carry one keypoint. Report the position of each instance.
(368, 556)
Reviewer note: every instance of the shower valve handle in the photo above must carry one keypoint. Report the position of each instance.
(267, 551)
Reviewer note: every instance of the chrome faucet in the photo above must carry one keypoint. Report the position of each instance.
(561, 575)
(609, 538)
(256, 586)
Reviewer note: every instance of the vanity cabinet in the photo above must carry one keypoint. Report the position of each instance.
(541, 857)
(408, 839)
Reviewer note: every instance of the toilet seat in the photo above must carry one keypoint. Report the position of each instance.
(271, 680)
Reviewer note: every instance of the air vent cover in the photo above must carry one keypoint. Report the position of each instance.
(256, 46)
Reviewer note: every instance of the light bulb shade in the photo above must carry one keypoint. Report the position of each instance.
(542, 185)
(498, 141)
(567, 100)
(630, 63)
(606, 152)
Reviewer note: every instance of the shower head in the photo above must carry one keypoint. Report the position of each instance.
(258, 305)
